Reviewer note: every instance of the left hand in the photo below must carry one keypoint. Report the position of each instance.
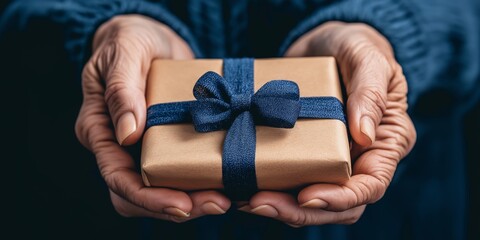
(382, 131)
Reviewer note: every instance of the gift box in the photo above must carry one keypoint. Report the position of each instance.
(211, 125)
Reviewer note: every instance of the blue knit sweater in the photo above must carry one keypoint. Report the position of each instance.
(437, 42)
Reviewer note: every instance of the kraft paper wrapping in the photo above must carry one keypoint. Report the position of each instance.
(314, 151)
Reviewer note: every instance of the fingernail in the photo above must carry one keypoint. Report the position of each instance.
(125, 127)
(176, 212)
(212, 208)
(293, 225)
(265, 210)
(367, 127)
(315, 203)
(245, 208)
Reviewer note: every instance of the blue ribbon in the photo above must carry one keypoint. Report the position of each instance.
(228, 103)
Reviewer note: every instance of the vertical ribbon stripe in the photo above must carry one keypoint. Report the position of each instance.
(238, 158)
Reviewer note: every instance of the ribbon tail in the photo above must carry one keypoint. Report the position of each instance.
(238, 165)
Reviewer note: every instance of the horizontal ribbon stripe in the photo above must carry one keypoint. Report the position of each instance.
(322, 107)
(229, 103)
(311, 107)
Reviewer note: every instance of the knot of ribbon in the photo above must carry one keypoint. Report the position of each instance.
(228, 103)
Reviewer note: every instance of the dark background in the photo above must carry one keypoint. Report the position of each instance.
(63, 196)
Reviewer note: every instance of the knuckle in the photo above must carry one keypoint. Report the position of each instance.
(131, 43)
(90, 79)
(404, 137)
(350, 48)
(361, 192)
(114, 91)
(133, 195)
(88, 70)
(80, 132)
(358, 196)
(384, 62)
(93, 135)
(376, 96)
(412, 135)
(108, 57)
(119, 95)
(299, 220)
(86, 130)
(399, 86)
(119, 55)
(371, 62)
(135, 198)
(369, 190)
(375, 103)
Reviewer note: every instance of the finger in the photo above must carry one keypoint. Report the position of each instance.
(367, 85)
(127, 209)
(372, 173)
(209, 203)
(284, 207)
(123, 65)
(204, 203)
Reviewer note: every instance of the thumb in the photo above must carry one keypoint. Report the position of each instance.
(125, 77)
(367, 97)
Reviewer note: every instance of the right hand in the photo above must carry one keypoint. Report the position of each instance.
(113, 83)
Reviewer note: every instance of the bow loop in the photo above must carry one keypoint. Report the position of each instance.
(212, 85)
(280, 88)
(276, 104)
(211, 111)
(210, 114)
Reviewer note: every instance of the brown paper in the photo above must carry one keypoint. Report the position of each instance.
(314, 151)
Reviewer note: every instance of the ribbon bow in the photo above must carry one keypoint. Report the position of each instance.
(228, 103)
(275, 104)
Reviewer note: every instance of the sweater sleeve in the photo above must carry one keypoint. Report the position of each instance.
(79, 19)
(435, 41)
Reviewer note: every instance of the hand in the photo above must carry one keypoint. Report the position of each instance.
(381, 129)
(123, 49)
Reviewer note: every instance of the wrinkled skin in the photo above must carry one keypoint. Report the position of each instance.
(113, 84)
(382, 131)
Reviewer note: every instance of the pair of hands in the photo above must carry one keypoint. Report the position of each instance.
(113, 83)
